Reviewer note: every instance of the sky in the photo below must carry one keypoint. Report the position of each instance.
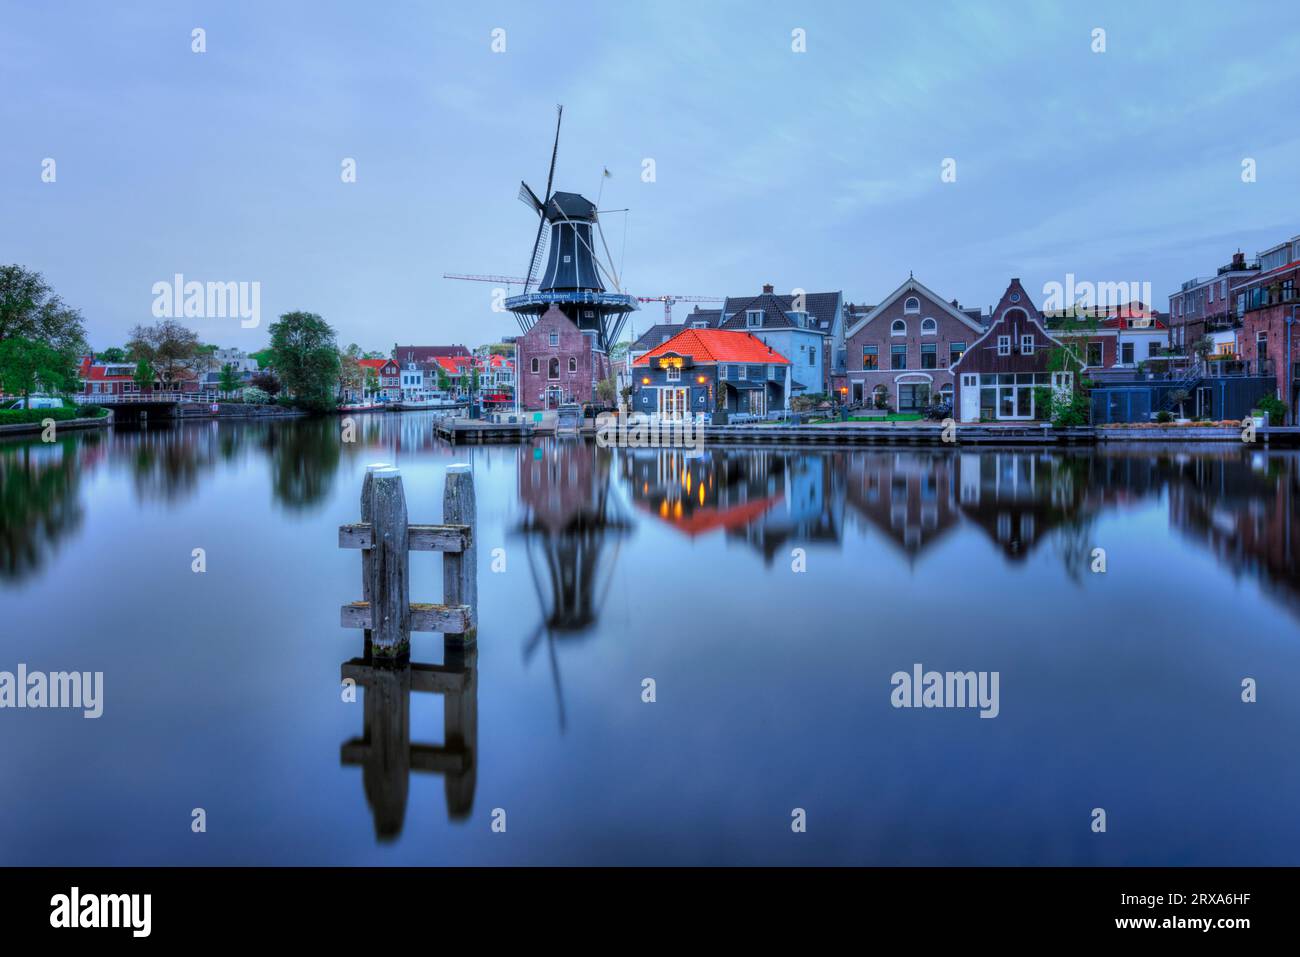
(817, 169)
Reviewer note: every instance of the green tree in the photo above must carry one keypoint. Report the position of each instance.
(26, 365)
(263, 357)
(29, 309)
(172, 350)
(143, 375)
(229, 378)
(305, 354)
(113, 354)
(444, 381)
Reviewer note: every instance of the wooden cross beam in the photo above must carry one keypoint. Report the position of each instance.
(421, 538)
(422, 616)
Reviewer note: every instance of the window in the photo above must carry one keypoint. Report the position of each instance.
(553, 369)
(899, 328)
(1126, 353)
(955, 351)
(753, 318)
(722, 371)
(812, 356)
(555, 338)
(912, 305)
(929, 355)
(573, 364)
(672, 373)
(1004, 345)
(1094, 353)
(536, 368)
(929, 327)
(913, 398)
(871, 357)
(1261, 346)
(743, 369)
(1027, 345)
(898, 357)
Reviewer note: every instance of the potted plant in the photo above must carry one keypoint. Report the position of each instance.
(1178, 398)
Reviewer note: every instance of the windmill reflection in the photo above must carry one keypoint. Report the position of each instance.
(570, 513)
(385, 753)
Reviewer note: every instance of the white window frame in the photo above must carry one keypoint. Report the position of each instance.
(933, 329)
(1027, 345)
(673, 374)
(1004, 345)
(553, 339)
(744, 372)
(753, 318)
(898, 328)
(908, 308)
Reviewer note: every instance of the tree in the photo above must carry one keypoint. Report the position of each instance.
(1179, 397)
(444, 381)
(229, 378)
(29, 309)
(607, 390)
(263, 357)
(351, 375)
(266, 381)
(171, 349)
(473, 381)
(113, 354)
(144, 375)
(26, 365)
(305, 354)
(371, 381)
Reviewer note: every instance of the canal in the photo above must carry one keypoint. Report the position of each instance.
(769, 594)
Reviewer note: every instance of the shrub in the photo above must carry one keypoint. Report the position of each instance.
(1272, 405)
(1164, 415)
(255, 395)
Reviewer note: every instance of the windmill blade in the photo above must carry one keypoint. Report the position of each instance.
(529, 198)
(541, 222)
(555, 151)
(539, 251)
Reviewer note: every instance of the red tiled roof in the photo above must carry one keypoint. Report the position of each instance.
(716, 345)
(375, 364)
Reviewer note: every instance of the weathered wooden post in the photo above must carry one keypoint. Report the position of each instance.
(460, 569)
(390, 594)
(367, 554)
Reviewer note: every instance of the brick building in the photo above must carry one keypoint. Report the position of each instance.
(558, 363)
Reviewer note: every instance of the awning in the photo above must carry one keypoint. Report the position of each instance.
(745, 385)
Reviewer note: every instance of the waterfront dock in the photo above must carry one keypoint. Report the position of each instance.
(477, 432)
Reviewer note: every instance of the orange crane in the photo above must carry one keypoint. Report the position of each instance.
(519, 281)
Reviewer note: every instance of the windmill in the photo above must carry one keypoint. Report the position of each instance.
(571, 275)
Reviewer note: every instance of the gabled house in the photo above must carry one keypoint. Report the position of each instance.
(806, 337)
(999, 372)
(707, 370)
(388, 378)
(900, 351)
(559, 363)
(107, 379)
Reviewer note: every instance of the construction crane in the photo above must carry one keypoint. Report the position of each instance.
(519, 281)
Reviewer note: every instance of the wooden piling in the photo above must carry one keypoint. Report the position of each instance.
(368, 515)
(460, 569)
(390, 595)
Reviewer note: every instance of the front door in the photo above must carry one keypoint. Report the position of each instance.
(673, 403)
(970, 398)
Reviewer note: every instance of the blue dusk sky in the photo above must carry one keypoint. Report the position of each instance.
(817, 169)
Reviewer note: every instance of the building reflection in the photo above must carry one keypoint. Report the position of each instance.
(571, 518)
(769, 499)
(385, 752)
(908, 497)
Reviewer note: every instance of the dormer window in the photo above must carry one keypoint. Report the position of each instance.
(1004, 345)
(929, 327)
(912, 305)
(753, 318)
(899, 328)
(699, 325)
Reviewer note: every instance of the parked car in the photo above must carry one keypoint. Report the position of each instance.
(38, 402)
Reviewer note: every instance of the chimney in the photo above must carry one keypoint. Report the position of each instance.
(1238, 260)
(768, 287)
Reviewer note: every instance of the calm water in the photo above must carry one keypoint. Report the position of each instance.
(222, 690)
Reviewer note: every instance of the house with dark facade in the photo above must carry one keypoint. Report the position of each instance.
(560, 363)
(807, 328)
(1206, 306)
(900, 351)
(706, 370)
(998, 373)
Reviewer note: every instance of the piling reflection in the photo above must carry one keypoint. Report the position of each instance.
(571, 515)
(385, 752)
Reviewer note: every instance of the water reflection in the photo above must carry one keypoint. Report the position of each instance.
(385, 753)
(40, 502)
(571, 515)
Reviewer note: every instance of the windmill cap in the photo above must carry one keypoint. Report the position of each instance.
(570, 206)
